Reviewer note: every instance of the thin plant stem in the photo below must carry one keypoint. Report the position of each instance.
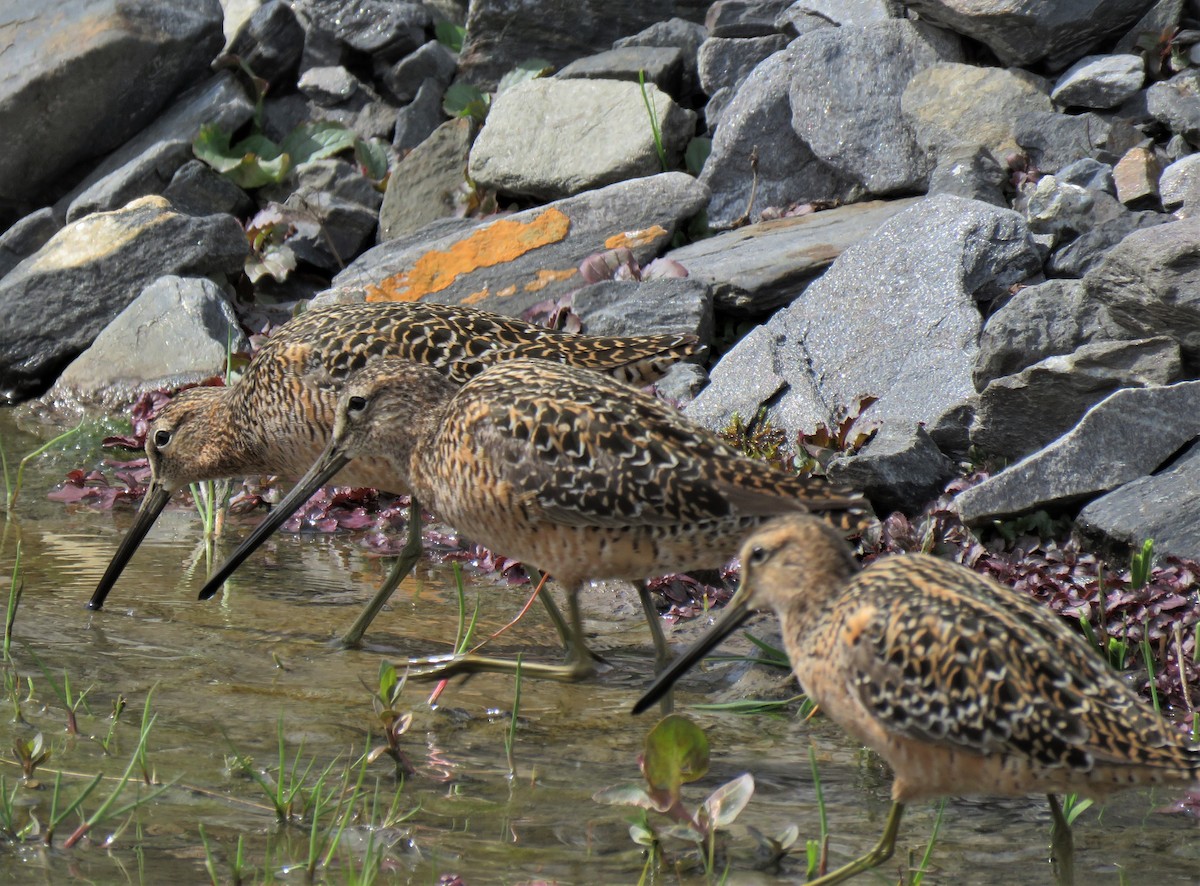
(14, 489)
(654, 125)
(16, 587)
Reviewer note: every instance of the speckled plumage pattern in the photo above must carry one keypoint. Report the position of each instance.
(568, 470)
(278, 417)
(962, 685)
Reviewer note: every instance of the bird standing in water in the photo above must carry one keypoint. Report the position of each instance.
(277, 418)
(561, 468)
(962, 685)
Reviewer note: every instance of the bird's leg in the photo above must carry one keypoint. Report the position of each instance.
(662, 653)
(579, 664)
(877, 856)
(403, 565)
(1062, 845)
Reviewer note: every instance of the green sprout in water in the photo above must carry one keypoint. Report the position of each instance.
(12, 485)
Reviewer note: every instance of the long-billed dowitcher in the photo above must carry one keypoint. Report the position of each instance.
(962, 685)
(561, 468)
(278, 417)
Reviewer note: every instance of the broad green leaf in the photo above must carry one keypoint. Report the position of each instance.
(624, 795)
(316, 141)
(276, 261)
(258, 145)
(465, 100)
(727, 802)
(696, 154)
(211, 146)
(530, 69)
(372, 156)
(676, 753)
(450, 35)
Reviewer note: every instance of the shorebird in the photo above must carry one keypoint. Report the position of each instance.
(560, 468)
(962, 685)
(277, 418)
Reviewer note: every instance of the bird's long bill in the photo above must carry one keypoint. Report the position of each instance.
(329, 463)
(153, 502)
(736, 612)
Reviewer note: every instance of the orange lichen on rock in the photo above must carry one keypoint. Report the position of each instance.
(497, 243)
(632, 239)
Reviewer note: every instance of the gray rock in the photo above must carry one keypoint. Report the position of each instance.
(649, 307)
(341, 201)
(1053, 141)
(847, 12)
(970, 172)
(1077, 257)
(426, 184)
(1054, 207)
(910, 289)
(845, 96)
(416, 121)
(177, 331)
(56, 301)
(1059, 31)
(899, 469)
(1021, 413)
(510, 264)
(1136, 177)
(724, 62)
(218, 100)
(744, 18)
(378, 28)
(270, 43)
(1089, 173)
(328, 85)
(1174, 104)
(497, 40)
(680, 34)
(432, 61)
(755, 151)
(85, 55)
(1127, 435)
(950, 105)
(1164, 507)
(682, 382)
(1179, 186)
(1150, 283)
(1041, 321)
(549, 138)
(715, 108)
(761, 267)
(1100, 81)
(660, 65)
(198, 190)
(26, 237)
(1162, 15)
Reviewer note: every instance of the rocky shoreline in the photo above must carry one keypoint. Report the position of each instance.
(984, 222)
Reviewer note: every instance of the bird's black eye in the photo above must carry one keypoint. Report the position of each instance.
(162, 438)
(356, 404)
(758, 555)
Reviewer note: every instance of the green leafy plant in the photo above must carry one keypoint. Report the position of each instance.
(1140, 564)
(676, 753)
(467, 100)
(696, 154)
(450, 35)
(395, 722)
(655, 126)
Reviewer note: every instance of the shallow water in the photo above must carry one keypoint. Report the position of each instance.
(227, 672)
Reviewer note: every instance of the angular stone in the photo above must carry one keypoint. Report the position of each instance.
(177, 331)
(1045, 320)
(26, 237)
(899, 469)
(383, 29)
(1127, 435)
(727, 61)
(328, 85)
(1079, 256)
(341, 200)
(1136, 176)
(1163, 506)
(761, 267)
(1021, 413)
(950, 105)
(426, 184)
(144, 164)
(511, 263)
(1179, 186)
(971, 172)
(845, 96)
(1027, 32)
(1053, 141)
(197, 189)
(1100, 81)
(550, 138)
(1089, 173)
(756, 153)
(910, 289)
(56, 301)
(1150, 283)
(270, 43)
(82, 76)
(744, 18)
(677, 33)
(416, 121)
(848, 12)
(649, 307)
(432, 60)
(660, 65)
(1176, 104)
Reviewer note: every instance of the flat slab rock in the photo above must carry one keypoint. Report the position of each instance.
(1125, 436)
(760, 267)
(512, 263)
